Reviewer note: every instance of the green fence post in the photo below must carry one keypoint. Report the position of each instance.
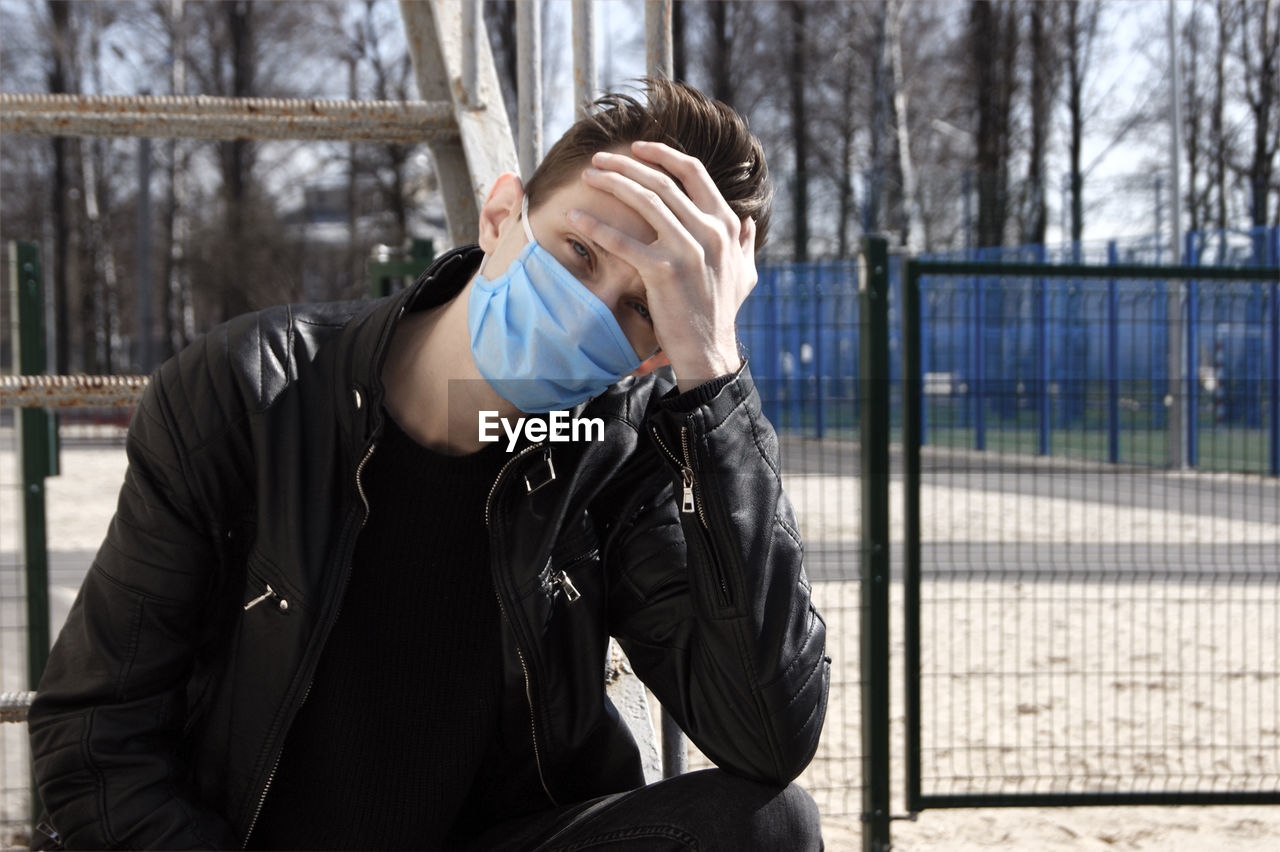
(873, 367)
(37, 449)
(912, 439)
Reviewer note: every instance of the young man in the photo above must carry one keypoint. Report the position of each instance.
(328, 614)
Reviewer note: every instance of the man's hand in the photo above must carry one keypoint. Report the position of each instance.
(698, 271)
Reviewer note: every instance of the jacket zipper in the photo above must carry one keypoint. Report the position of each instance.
(563, 581)
(497, 479)
(271, 777)
(688, 504)
(524, 669)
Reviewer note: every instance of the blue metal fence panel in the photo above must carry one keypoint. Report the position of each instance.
(1037, 354)
(799, 328)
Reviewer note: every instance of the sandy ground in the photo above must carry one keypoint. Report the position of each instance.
(1047, 666)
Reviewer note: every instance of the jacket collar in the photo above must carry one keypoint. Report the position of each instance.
(358, 392)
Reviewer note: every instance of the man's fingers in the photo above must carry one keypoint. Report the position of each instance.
(627, 249)
(691, 173)
(649, 204)
(661, 184)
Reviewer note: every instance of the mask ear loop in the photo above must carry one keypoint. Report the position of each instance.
(524, 218)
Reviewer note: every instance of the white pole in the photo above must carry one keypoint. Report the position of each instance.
(471, 29)
(657, 38)
(529, 84)
(584, 56)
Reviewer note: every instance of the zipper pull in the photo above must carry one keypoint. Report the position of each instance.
(686, 503)
(571, 592)
(269, 593)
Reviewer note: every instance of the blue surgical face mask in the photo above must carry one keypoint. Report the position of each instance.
(539, 337)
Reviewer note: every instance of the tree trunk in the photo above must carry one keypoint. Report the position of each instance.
(1079, 34)
(799, 133)
(845, 127)
(911, 227)
(179, 319)
(60, 81)
(237, 156)
(1041, 97)
(679, 51)
(98, 285)
(720, 53)
(1008, 29)
(1218, 126)
(986, 52)
(500, 20)
(1260, 88)
(879, 122)
(1191, 123)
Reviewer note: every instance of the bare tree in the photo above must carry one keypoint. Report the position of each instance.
(880, 107)
(797, 82)
(1043, 22)
(845, 128)
(98, 315)
(679, 41)
(1194, 111)
(720, 49)
(251, 49)
(62, 79)
(500, 20)
(1219, 137)
(993, 40)
(1260, 58)
(911, 226)
(1082, 28)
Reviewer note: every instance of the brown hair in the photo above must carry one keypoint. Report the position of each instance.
(683, 118)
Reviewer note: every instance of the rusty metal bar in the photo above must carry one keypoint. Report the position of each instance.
(584, 56)
(14, 706)
(209, 117)
(657, 38)
(66, 391)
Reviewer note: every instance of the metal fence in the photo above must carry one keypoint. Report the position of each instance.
(1036, 364)
(1085, 632)
(1081, 630)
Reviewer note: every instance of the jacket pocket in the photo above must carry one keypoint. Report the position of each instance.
(265, 588)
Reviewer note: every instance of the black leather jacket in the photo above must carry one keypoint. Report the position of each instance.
(166, 700)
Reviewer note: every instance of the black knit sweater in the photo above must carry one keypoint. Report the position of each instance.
(403, 705)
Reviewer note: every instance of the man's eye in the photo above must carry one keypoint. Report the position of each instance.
(643, 312)
(579, 249)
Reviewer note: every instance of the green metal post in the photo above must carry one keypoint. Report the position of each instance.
(873, 296)
(36, 448)
(912, 438)
(37, 453)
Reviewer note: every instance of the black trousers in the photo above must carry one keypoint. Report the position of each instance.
(707, 810)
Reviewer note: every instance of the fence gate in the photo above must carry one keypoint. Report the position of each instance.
(1088, 621)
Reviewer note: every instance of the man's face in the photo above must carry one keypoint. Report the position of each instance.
(613, 282)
